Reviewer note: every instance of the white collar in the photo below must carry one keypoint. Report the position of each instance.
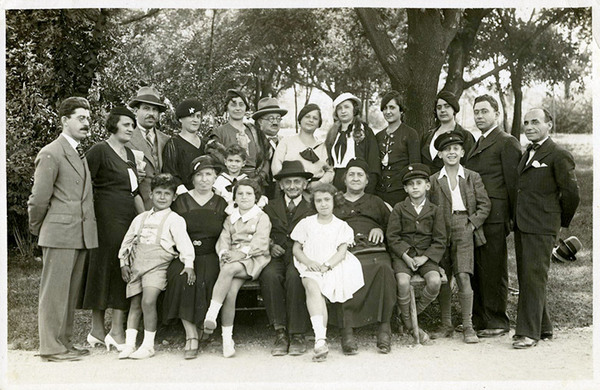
(461, 172)
(143, 129)
(231, 178)
(488, 132)
(163, 211)
(542, 141)
(253, 212)
(419, 205)
(72, 142)
(296, 200)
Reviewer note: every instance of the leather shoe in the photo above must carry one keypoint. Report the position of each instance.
(349, 345)
(546, 336)
(61, 357)
(79, 351)
(384, 342)
(487, 333)
(297, 345)
(469, 336)
(282, 343)
(444, 331)
(524, 342)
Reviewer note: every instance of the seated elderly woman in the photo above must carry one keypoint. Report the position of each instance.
(367, 215)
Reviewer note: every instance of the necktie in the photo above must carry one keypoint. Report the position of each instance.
(342, 143)
(80, 151)
(478, 143)
(291, 207)
(150, 138)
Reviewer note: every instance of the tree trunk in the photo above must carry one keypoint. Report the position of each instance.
(516, 79)
(296, 106)
(459, 50)
(502, 97)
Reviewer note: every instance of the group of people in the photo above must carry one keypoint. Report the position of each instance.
(333, 230)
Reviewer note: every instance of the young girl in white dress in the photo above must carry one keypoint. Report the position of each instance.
(327, 269)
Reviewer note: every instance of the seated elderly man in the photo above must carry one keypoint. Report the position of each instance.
(367, 215)
(282, 290)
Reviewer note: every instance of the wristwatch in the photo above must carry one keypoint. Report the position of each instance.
(326, 264)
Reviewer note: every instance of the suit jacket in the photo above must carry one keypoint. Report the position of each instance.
(60, 207)
(281, 228)
(547, 190)
(138, 142)
(474, 197)
(496, 159)
(425, 233)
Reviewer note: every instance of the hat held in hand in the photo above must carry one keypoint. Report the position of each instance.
(566, 250)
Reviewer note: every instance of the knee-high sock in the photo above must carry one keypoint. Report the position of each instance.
(404, 305)
(426, 298)
(466, 308)
(445, 300)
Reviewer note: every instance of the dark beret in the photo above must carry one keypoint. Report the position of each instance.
(124, 111)
(449, 98)
(233, 93)
(187, 108)
(309, 108)
(360, 163)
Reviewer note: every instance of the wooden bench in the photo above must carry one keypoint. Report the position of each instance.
(418, 281)
(252, 287)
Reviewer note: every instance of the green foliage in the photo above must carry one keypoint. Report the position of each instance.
(571, 115)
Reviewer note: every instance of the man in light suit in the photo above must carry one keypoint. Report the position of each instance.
(547, 197)
(147, 106)
(495, 157)
(61, 213)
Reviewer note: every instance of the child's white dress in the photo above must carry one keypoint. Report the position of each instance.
(319, 243)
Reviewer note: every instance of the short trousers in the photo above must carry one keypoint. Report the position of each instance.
(462, 247)
(400, 267)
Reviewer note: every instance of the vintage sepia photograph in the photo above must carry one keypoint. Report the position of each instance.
(274, 195)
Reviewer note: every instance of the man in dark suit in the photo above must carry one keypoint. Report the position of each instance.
(282, 289)
(547, 197)
(267, 120)
(495, 157)
(61, 213)
(147, 138)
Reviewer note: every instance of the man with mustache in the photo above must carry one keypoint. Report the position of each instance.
(147, 107)
(61, 213)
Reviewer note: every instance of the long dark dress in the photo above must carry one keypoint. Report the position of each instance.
(204, 225)
(375, 301)
(177, 156)
(402, 148)
(115, 209)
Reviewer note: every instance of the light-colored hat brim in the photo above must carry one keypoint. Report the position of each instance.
(346, 96)
(259, 113)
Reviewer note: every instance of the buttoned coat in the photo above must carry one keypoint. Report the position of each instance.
(496, 159)
(425, 232)
(138, 142)
(474, 197)
(547, 190)
(60, 207)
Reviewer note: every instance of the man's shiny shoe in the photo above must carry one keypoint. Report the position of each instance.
(524, 342)
(297, 345)
(487, 333)
(61, 357)
(282, 343)
(79, 351)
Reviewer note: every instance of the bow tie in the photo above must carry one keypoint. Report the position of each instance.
(229, 188)
(80, 151)
(533, 146)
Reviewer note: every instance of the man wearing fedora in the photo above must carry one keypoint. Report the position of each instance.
(61, 214)
(267, 120)
(282, 289)
(547, 197)
(147, 106)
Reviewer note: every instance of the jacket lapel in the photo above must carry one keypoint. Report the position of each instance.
(485, 143)
(427, 207)
(161, 140)
(280, 209)
(539, 154)
(139, 143)
(443, 182)
(409, 209)
(72, 157)
(301, 211)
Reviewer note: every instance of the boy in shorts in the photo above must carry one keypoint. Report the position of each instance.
(460, 194)
(153, 240)
(416, 235)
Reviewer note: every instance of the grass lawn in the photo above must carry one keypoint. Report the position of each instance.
(569, 288)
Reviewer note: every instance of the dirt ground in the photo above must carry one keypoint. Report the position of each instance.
(565, 361)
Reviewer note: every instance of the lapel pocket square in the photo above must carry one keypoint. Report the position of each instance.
(536, 164)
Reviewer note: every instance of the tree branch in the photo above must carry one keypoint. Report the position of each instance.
(132, 19)
(522, 48)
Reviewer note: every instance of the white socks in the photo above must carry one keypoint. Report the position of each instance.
(148, 339)
(213, 310)
(227, 332)
(318, 327)
(130, 337)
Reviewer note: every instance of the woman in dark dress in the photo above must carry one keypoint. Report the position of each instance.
(350, 137)
(367, 215)
(204, 214)
(399, 146)
(116, 203)
(180, 150)
(446, 108)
